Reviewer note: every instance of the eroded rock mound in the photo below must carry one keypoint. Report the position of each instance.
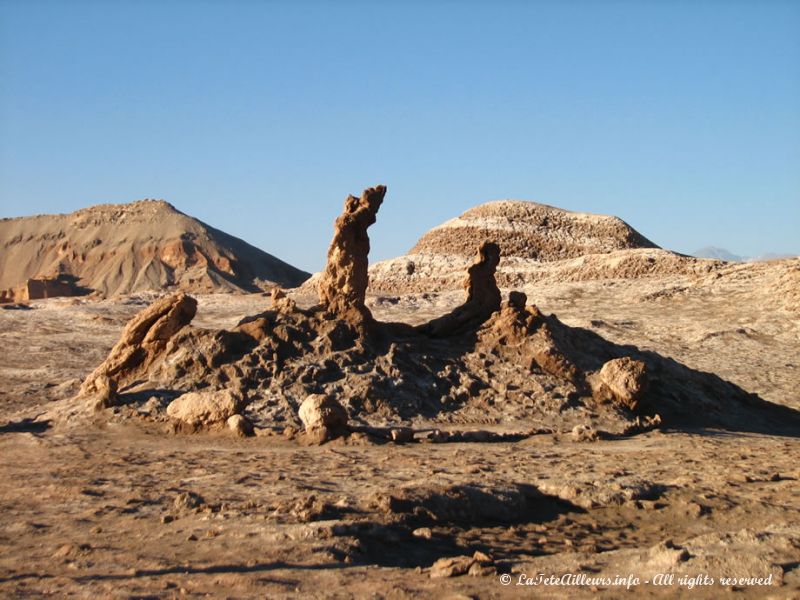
(488, 362)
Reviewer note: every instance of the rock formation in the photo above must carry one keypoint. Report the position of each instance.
(486, 361)
(125, 248)
(483, 296)
(144, 339)
(538, 243)
(343, 286)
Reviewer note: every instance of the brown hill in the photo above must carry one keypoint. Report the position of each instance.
(124, 248)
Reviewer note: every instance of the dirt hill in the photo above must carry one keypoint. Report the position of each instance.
(124, 248)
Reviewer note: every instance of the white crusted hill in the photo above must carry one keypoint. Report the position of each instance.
(538, 243)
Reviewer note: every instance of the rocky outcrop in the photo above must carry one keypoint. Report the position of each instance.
(483, 296)
(144, 339)
(487, 361)
(343, 285)
(530, 338)
(40, 288)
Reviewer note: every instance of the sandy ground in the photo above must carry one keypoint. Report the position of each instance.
(129, 511)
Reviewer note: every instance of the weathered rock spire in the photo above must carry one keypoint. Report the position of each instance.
(343, 285)
(483, 296)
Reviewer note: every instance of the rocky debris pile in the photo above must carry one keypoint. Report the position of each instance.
(334, 368)
(125, 248)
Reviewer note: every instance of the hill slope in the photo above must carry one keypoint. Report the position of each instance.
(124, 248)
(538, 243)
(530, 230)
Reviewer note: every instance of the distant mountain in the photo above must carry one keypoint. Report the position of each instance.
(124, 248)
(717, 254)
(723, 254)
(770, 256)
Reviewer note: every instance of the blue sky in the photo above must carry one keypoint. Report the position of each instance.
(683, 118)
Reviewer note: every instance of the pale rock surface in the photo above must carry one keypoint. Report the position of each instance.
(205, 408)
(625, 379)
(322, 413)
(240, 425)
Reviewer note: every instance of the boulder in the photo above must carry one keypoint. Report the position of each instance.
(240, 425)
(205, 408)
(323, 417)
(625, 379)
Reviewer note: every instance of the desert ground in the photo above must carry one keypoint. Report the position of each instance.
(128, 508)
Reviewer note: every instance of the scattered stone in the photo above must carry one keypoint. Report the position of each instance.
(151, 407)
(104, 393)
(584, 433)
(205, 408)
(478, 565)
(402, 435)
(187, 501)
(625, 379)
(697, 510)
(451, 567)
(423, 532)
(240, 425)
(323, 417)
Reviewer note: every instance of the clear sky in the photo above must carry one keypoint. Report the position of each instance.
(681, 117)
